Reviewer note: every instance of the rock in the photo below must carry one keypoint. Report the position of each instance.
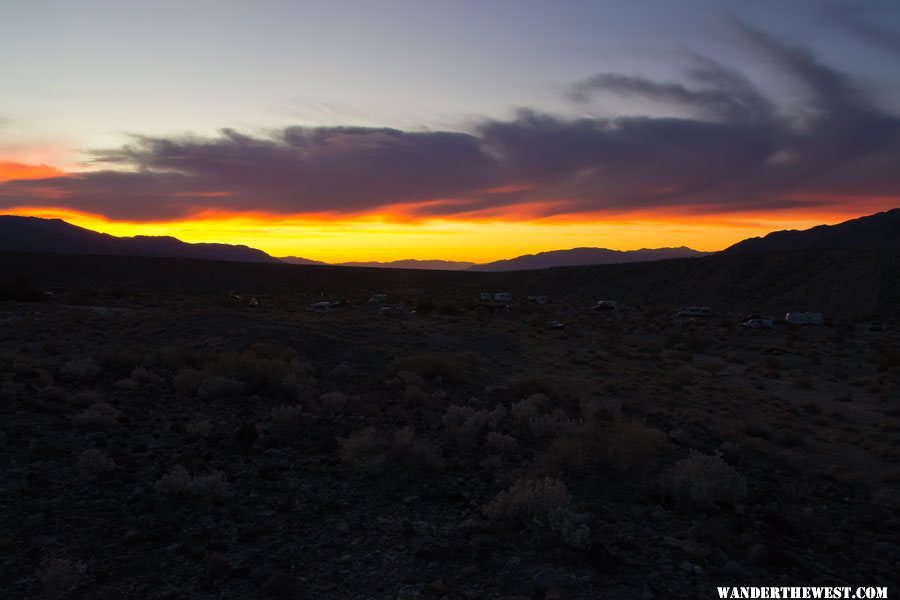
(544, 582)
(279, 585)
(757, 555)
(437, 588)
(245, 435)
(731, 568)
(713, 531)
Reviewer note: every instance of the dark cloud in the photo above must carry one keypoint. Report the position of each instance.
(736, 151)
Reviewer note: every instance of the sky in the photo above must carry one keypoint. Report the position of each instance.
(468, 130)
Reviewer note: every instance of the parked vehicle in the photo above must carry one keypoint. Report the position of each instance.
(694, 311)
(759, 323)
(804, 318)
(605, 305)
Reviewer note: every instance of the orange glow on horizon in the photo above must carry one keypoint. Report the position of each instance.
(334, 238)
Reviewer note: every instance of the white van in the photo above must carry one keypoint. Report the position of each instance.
(804, 318)
(693, 311)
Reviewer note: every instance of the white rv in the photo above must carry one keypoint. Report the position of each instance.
(605, 305)
(502, 297)
(485, 296)
(321, 307)
(804, 318)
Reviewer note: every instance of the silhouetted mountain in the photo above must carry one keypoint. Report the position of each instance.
(880, 228)
(411, 263)
(299, 260)
(577, 257)
(31, 234)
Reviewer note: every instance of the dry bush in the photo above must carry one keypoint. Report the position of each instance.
(630, 442)
(99, 415)
(501, 442)
(60, 576)
(93, 463)
(145, 376)
(179, 482)
(200, 426)
(334, 401)
(414, 396)
(187, 382)
(80, 369)
(375, 452)
(286, 415)
(452, 368)
(527, 409)
(704, 480)
(466, 425)
(544, 507)
(10, 391)
(53, 394)
(343, 371)
(87, 398)
(215, 388)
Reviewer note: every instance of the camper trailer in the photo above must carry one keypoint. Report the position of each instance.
(804, 318)
(605, 305)
(693, 312)
(485, 296)
(502, 297)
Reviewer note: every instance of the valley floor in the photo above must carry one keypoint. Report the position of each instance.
(188, 447)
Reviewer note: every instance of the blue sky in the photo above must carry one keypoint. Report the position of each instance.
(85, 73)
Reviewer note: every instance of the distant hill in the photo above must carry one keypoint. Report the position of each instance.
(411, 263)
(299, 260)
(880, 228)
(577, 257)
(31, 234)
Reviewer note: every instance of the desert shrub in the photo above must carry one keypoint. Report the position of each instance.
(527, 409)
(97, 416)
(80, 369)
(375, 452)
(452, 368)
(145, 376)
(704, 480)
(542, 506)
(10, 391)
(179, 482)
(528, 386)
(293, 389)
(501, 442)
(286, 415)
(121, 361)
(334, 401)
(93, 462)
(53, 394)
(87, 398)
(213, 388)
(60, 576)
(465, 424)
(552, 424)
(414, 396)
(187, 382)
(343, 371)
(630, 442)
(199, 426)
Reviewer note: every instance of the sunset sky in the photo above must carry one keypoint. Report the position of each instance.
(464, 130)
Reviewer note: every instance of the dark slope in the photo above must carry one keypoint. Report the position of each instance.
(584, 256)
(880, 228)
(31, 234)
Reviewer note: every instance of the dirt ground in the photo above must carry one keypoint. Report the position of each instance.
(184, 445)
